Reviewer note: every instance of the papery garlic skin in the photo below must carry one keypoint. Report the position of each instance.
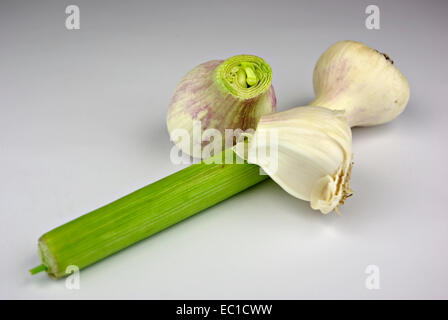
(363, 82)
(210, 94)
(313, 154)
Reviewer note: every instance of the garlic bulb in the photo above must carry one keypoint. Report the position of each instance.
(220, 95)
(363, 82)
(307, 151)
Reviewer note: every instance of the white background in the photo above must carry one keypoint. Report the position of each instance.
(82, 123)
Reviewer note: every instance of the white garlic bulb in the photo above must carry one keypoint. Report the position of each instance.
(307, 151)
(363, 82)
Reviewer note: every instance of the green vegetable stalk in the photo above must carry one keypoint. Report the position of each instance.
(109, 229)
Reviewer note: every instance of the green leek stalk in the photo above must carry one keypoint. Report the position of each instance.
(104, 231)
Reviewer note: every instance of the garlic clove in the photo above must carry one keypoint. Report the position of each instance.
(363, 82)
(219, 95)
(307, 151)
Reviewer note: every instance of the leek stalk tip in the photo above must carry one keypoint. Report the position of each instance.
(38, 269)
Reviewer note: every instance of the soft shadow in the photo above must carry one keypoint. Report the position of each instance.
(416, 114)
(362, 133)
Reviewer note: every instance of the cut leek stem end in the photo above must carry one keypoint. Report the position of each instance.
(244, 76)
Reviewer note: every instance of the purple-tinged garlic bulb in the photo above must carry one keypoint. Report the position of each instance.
(219, 95)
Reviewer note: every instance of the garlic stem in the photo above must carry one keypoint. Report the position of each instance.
(151, 209)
